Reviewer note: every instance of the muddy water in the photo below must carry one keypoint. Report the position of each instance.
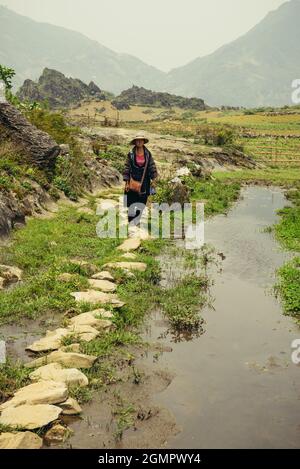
(235, 386)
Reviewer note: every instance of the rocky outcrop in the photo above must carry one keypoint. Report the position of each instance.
(58, 91)
(137, 96)
(39, 148)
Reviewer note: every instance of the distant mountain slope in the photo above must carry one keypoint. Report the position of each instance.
(256, 69)
(29, 47)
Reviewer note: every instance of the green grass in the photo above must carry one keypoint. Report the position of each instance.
(276, 176)
(288, 287)
(217, 196)
(12, 377)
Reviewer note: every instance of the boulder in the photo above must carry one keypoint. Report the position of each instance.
(104, 275)
(103, 285)
(57, 434)
(30, 417)
(95, 297)
(55, 372)
(39, 148)
(131, 244)
(67, 359)
(43, 392)
(10, 274)
(20, 440)
(139, 266)
(70, 407)
(52, 341)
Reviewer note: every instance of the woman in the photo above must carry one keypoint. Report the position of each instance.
(140, 167)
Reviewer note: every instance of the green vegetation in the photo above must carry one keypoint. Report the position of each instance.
(277, 176)
(217, 196)
(12, 377)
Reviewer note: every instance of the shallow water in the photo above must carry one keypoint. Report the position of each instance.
(236, 386)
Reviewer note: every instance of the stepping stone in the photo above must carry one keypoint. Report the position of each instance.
(129, 255)
(92, 319)
(57, 434)
(104, 275)
(30, 417)
(67, 359)
(66, 278)
(52, 341)
(139, 266)
(10, 274)
(131, 244)
(91, 269)
(95, 297)
(86, 210)
(55, 372)
(103, 285)
(70, 407)
(71, 348)
(43, 392)
(20, 440)
(85, 333)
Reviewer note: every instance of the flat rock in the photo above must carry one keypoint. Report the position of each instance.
(55, 372)
(103, 285)
(85, 333)
(129, 255)
(67, 359)
(95, 297)
(57, 434)
(43, 392)
(10, 274)
(139, 266)
(20, 440)
(71, 348)
(30, 417)
(92, 319)
(66, 278)
(131, 244)
(52, 341)
(70, 407)
(104, 275)
(91, 269)
(2, 283)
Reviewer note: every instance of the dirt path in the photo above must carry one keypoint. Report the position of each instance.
(236, 386)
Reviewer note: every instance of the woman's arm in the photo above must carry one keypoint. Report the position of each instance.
(152, 168)
(126, 172)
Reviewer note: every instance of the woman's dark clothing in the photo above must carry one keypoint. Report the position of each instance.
(136, 172)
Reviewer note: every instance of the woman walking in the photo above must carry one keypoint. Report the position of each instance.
(139, 171)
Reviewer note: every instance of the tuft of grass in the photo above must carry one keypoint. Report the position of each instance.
(12, 377)
(288, 287)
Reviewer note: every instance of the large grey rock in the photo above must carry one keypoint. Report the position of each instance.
(104, 275)
(20, 440)
(52, 341)
(43, 392)
(39, 148)
(29, 417)
(103, 285)
(83, 332)
(92, 319)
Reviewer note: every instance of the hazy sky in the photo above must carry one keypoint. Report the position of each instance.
(163, 33)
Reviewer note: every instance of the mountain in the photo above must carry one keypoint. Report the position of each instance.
(59, 91)
(29, 47)
(140, 96)
(255, 70)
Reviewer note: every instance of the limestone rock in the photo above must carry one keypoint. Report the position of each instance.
(89, 268)
(67, 359)
(129, 256)
(85, 333)
(66, 278)
(103, 285)
(104, 275)
(55, 372)
(139, 266)
(92, 319)
(131, 244)
(70, 407)
(20, 440)
(30, 417)
(94, 297)
(10, 274)
(52, 341)
(43, 392)
(57, 434)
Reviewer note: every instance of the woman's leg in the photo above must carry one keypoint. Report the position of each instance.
(136, 204)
